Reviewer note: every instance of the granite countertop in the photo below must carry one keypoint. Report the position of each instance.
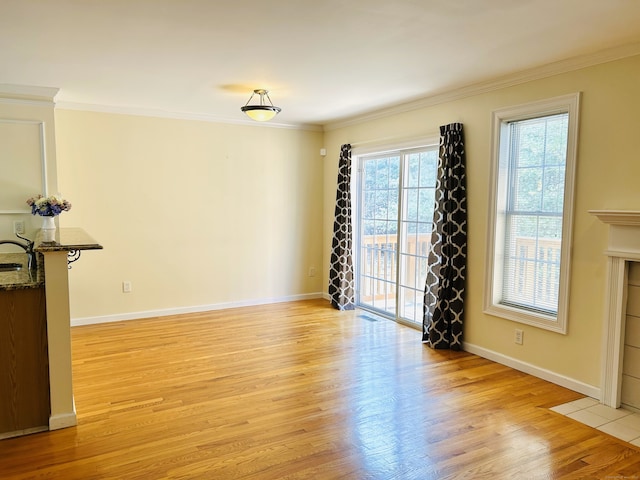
(23, 278)
(69, 239)
(66, 240)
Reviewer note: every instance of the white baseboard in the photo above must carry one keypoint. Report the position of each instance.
(194, 309)
(63, 420)
(548, 375)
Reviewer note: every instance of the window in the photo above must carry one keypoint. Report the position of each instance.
(534, 148)
(396, 198)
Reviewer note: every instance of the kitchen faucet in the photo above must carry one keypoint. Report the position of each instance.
(28, 248)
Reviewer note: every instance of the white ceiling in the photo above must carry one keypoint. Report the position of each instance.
(322, 60)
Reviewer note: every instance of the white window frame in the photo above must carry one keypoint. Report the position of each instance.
(495, 248)
(357, 153)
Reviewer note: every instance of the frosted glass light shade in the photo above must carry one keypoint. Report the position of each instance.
(262, 111)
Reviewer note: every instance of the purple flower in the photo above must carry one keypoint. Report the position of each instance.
(50, 206)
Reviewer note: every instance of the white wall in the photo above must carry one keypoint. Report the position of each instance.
(27, 133)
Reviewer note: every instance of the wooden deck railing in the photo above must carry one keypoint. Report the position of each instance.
(536, 272)
(379, 267)
(378, 257)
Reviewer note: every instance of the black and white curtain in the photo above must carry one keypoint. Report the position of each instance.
(445, 283)
(341, 277)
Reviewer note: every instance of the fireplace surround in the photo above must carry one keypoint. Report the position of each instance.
(623, 246)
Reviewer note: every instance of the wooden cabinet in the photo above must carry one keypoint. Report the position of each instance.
(24, 364)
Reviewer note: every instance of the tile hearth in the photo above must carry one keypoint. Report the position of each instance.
(619, 423)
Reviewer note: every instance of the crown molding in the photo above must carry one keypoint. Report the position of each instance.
(201, 117)
(27, 94)
(34, 95)
(537, 73)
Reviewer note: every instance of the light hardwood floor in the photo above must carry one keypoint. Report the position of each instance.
(299, 390)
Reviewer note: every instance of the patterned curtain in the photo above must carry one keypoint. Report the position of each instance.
(444, 286)
(341, 278)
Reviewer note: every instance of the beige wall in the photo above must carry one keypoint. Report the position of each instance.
(198, 214)
(192, 213)
(608, 170)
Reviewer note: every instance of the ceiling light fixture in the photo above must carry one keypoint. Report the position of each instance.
(261, 112)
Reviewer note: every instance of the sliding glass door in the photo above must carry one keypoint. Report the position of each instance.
(378, 232)
(393, 230)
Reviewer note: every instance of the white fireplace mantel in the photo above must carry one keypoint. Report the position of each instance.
(618, 217)
(623, 246)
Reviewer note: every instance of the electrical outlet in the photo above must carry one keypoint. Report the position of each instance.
(126, 286)
(312, 271)
(519, 337)
(18, 226)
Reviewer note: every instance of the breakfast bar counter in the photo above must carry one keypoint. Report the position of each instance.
(36, 388)
(65, 248)
(65, 240)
